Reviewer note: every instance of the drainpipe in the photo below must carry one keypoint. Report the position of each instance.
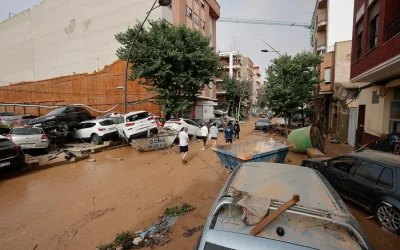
(231, 64)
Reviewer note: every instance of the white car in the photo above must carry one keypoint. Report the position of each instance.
(96, 131)
(136, 124)
(178, 123)
(29, 138)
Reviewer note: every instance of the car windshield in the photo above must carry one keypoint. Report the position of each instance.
(107, 123)
(26, 131)
(56, 112)
(262, 122)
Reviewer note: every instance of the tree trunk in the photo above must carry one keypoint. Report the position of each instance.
(302, 117)
(238, 111)
(286, 126)
(290, 119)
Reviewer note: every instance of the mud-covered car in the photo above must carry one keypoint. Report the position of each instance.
(320, 220)
(62, 119)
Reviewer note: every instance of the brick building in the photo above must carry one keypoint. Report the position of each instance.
(376, 59)
(57, 38)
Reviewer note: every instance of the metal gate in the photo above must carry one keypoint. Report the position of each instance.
(352, 127)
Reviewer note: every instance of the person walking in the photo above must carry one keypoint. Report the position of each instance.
(214, 133)
(236, 129)
(204, 134)
(229, 133)
(184, 144)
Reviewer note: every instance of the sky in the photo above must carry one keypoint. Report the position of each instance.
(247, 38)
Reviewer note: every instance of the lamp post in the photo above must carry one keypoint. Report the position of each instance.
(161, 3)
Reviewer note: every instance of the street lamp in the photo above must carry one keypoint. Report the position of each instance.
(161, 3)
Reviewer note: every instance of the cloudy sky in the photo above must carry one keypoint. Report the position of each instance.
(246, 38)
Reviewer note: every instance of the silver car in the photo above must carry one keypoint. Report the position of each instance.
(320, 220)
(29, 138)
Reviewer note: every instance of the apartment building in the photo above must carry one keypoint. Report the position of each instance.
(376, 59)
(240, 67)
(256, 89)
(59, 38)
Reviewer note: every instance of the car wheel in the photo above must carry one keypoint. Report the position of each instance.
(388, 217)
(96, 140)
(63, 126)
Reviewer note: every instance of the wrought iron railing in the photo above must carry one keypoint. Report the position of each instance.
(393, 28)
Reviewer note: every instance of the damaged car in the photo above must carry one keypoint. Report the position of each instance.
(62, 119)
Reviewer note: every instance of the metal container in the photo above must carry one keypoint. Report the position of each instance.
(303, 138)
(155, 142)
(233, 155)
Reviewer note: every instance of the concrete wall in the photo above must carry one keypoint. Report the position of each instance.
(63, 37)
(327, 63)
(343, 63)
(98, 90)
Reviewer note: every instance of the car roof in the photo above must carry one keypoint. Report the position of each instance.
(135, 113)
(97, 120)
(280, 181)
(378, 156)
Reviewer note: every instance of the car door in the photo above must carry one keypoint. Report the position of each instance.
(368, 182)
(88, 130)
(78, 131)
(338, 172)
(191, 127)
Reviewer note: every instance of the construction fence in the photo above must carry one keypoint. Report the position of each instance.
(97, 90)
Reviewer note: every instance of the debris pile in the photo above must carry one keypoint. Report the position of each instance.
(157, 234)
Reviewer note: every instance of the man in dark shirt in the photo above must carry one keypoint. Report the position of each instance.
(229, 133)
(236, 129)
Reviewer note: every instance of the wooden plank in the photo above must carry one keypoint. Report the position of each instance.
(260, 225)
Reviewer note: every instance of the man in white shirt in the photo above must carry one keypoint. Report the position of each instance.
(184, 144)
(214, 133)
(204, 134)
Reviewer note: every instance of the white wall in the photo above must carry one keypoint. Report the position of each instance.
(59, 37)
(340, 20)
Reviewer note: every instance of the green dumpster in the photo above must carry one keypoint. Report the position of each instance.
(307, 137)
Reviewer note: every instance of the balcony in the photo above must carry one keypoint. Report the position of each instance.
(322, 4)
(321, 45)
(393, 28)
(322, 21)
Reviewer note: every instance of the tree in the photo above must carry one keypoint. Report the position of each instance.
(173, 61)
(237, 90)
(262, 96)
(291, 80)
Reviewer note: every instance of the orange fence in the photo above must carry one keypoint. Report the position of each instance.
(97, 90)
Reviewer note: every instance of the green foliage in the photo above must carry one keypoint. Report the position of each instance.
(262, 96)
(123, 238)
(105, 247)
(237, 90)
(176, 211)
(291, 80)
(173, 61)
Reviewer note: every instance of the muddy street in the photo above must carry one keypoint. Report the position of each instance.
(82, 205)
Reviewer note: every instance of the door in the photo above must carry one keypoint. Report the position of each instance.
(351, 138)
(87, 131)
(369, 182)
(199, 112)
(78, 131)
(360, 124)
(338, 171)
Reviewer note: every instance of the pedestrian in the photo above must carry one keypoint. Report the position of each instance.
(229, 133)
(184, 144)
(204, 134)
(214, 133)
(236, 128)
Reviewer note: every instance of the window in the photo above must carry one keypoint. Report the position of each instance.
(88, 125)
(202, 4)
(239, 73)
(27, 131)
(107, 122)
(369, 171)
(375, 97)
(396, 93)
(327, 75)
(342, 164)
(188, 12)
(373, 25)
(203, 24)
(137, 117)
(386, 179)
(196, 19)
(359, 39)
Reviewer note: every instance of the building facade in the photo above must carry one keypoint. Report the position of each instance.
(376, 59)
(256, 88)
(65, 37)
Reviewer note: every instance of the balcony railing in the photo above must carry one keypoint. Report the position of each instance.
(393, 28)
